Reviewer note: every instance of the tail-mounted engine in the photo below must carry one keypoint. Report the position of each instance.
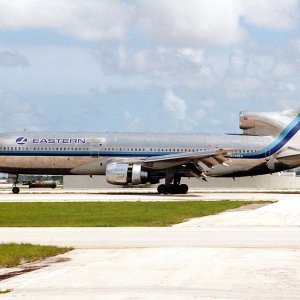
(265, 123)
(121, 174)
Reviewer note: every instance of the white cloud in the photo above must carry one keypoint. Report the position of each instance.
(13, 59)
(285, 68)
(133, 122)
(290, 87)
(193, 22)
(208, 103)
(174, 105)
(211, 22)
(241, 88)
(243, 63)
(199, 114)
(87, 20)
(168, 22)
(270, 14)
(237, 63)
(164, 66)
(287, 63)
(17, 114)
(195, 56)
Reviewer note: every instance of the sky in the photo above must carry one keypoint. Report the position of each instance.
(146, 65)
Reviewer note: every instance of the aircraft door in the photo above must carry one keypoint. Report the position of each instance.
(95, 146)
(95, 149)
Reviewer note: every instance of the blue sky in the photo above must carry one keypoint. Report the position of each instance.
(145, 65)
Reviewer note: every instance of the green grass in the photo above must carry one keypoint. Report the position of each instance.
(15, 254)
(104, 214)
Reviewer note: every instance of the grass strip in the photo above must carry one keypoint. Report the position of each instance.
(109, 214)
(13, 254)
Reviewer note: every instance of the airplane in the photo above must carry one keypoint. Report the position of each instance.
(270, 142)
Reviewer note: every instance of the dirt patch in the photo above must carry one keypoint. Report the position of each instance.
(29, 267)
(250, 207)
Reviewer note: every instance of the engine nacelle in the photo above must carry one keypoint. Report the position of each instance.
(121, 174)
(265, 123)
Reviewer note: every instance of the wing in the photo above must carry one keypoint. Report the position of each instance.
(209, 158)
(190, 160)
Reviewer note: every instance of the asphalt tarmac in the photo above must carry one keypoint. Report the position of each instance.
(251, 253)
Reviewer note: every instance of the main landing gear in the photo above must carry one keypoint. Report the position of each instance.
(172, 189)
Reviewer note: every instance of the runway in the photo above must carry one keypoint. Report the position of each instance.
(138, 194)
(241, 254)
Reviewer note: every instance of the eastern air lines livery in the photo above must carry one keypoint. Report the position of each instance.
(270, 143)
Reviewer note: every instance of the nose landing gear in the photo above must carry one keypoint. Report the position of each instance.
(15, 189)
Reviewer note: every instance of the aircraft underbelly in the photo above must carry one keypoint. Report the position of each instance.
(38, 164)
(236, 166)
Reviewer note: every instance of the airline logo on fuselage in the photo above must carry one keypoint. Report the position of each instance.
(21, 140)
(58, 141)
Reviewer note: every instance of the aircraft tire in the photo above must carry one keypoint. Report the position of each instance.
(172, 189)
(184, 188)
(15, 190)
(161, 189)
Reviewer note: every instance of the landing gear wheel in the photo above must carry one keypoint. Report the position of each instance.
(183, 188)
(161, 189)
(15, 190)
(172, 189)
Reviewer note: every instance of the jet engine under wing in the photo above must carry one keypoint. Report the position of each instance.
(209, 158)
